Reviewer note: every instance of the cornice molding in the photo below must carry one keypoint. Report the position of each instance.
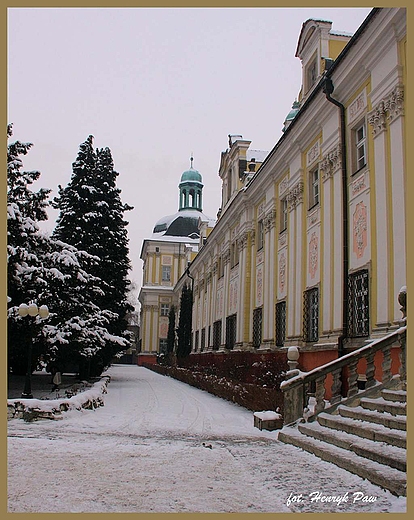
(331, 163)
(390, 108)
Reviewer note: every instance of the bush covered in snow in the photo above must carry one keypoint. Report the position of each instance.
(232, 380)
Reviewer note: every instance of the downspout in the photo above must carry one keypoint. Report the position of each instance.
(328, 88)
(187, 272)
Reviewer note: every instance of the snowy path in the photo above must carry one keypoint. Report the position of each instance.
(143, 452)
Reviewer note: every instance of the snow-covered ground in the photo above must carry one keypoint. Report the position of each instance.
(148, 450)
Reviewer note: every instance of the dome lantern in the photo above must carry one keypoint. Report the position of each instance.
(191, 188)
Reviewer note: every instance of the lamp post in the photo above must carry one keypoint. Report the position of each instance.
(32, 310)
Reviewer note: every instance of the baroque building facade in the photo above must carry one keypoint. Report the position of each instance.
(166, 256)
(309, 248)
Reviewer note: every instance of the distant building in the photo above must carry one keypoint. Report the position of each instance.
(309, 248)
(174, 243)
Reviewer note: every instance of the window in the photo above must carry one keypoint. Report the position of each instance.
(229, 183)
(313, 188)
(165, 309)
(234, 254)
(166, 273)
(311, 315)
(203, 339)
(311, 74)
(283, 214)
(358, 298)
(163, 346)
(360, 147)
(216, 335)
(220, 266)
(260, 235)
(196, 340)
(280, 320)
(257, 327)
(231, 331)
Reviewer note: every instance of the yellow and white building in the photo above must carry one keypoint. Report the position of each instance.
(166, 256)
(309, 248)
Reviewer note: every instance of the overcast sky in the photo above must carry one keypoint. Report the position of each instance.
(154, 85)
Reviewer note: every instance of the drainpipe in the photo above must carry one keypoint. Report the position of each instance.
(187, 272)
(328, 88)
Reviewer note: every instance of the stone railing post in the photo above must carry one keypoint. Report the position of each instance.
(293, 404)
(402, 338)
(293, 399)
(402, 300)
(293, 356)
(352, 378)
(320, 394)
(336, 386)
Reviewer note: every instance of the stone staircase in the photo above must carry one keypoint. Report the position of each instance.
(367, 439)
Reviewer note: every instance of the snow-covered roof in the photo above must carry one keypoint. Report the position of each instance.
(183, 223)
(258, 155)
(341, 33)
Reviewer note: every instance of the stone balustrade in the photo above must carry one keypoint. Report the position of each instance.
(345, 372)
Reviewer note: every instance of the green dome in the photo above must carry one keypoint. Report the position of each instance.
(293, 112)
(191, 175)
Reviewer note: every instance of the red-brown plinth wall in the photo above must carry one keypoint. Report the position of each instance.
(146, 358)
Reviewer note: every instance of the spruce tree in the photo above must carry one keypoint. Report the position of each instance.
(185, 323)
(49, 271)
(77, 330)
(91, 219)
(171, 331)
(25, 208)
(112, 248)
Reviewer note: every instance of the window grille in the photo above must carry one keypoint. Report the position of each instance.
(257, 327)
(311, 315)
(358, 304)
(231, 331)
(203, 339)
(163, 346)
(216, 335)
(280, 320)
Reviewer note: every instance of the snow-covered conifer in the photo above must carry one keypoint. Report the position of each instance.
(25, 208)
(185, 323)
(91, 219)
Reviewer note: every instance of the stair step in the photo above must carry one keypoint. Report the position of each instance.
(373, 450)
(395, 395)
(389, 421)
(382, 405)
(388, 478)
(364, 429)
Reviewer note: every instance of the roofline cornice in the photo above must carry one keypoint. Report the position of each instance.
(317, 90)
